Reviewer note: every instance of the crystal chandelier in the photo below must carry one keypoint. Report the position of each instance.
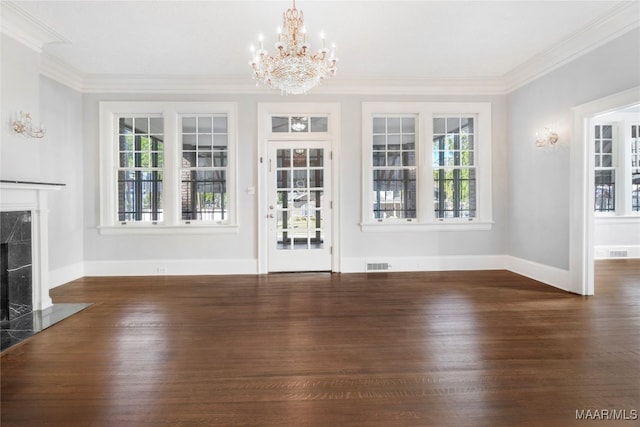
(293, 69)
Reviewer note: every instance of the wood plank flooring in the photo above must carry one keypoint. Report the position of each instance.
(485, 348)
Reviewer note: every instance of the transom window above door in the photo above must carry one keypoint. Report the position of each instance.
(299, 124)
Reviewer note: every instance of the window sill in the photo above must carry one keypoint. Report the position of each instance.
(617, 219)
(439, 226)
(168, 229)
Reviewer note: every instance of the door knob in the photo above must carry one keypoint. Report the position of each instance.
(272, 216)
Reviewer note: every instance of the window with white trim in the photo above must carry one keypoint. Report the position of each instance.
(203, 173)
(140, 167)
(394, 167)
(634, 160)
(426, 165)
(617, 167)
(167, 166)
(605, 169)
(454, 169)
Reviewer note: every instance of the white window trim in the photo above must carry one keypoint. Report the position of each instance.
(172, 216)
(426, 220)
(265, 134)
(622, 167)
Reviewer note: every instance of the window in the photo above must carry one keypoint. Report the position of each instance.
(204, 168)
(140, 153)
(167, 167)
(617, 166)
(426, 165)
(454, 173)
(299, 124)
(605, 172)
(635, 167)
(394, 167)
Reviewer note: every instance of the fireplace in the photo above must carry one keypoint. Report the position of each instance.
(15, 265)
(24, 209)
(24, 259)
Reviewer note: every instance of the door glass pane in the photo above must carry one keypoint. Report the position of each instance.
(299, 158)
(315, 198)
(280, 124)
(284, 179)
(319, 124)
(299, 124)
(300, 178)
(316, 158)
(299, 210)
(316, 176)
(284, 158)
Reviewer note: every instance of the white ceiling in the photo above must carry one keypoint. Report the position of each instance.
(391, 40)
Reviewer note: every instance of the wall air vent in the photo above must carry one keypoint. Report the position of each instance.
(377, 266)
(618, 253)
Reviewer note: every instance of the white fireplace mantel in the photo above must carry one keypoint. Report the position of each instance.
(32, 196)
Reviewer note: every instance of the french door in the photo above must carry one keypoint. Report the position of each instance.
(299, 203)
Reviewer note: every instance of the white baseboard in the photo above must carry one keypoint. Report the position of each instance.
(66, 274)
(543, 273)
(435, 263)
(617, 252)
(187, 267)
(553, 276)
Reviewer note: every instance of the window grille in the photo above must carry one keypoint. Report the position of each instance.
(635, 168)
(140, 168)
(454, 173)
(394, 167)
(204, 168)
(605, 173)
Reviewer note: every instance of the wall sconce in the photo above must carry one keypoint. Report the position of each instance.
(548, 137)
(23, 126)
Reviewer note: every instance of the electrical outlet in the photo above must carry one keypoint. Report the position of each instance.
(162, 270)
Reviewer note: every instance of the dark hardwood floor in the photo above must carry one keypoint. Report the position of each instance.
(484, 348)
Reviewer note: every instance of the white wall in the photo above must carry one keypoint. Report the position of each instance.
(20, 157)
(417, 247)
(530, 185)
(538, 179)
(62, 162)
(55, 158)
(178, 254)
(237, 253)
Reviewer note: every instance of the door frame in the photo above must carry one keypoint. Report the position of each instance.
(582, 217)
(265, 111)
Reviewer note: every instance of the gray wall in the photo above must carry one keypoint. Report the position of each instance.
(530, 186)
(244, 245)
(55, 158)
(20, 157)
(61, 110)
(538, 179)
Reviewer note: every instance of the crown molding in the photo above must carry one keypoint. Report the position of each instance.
(25, 28)
(61, 72)
(200, 84)
(620, 20)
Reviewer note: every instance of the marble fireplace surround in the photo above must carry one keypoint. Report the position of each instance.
(32, 196)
